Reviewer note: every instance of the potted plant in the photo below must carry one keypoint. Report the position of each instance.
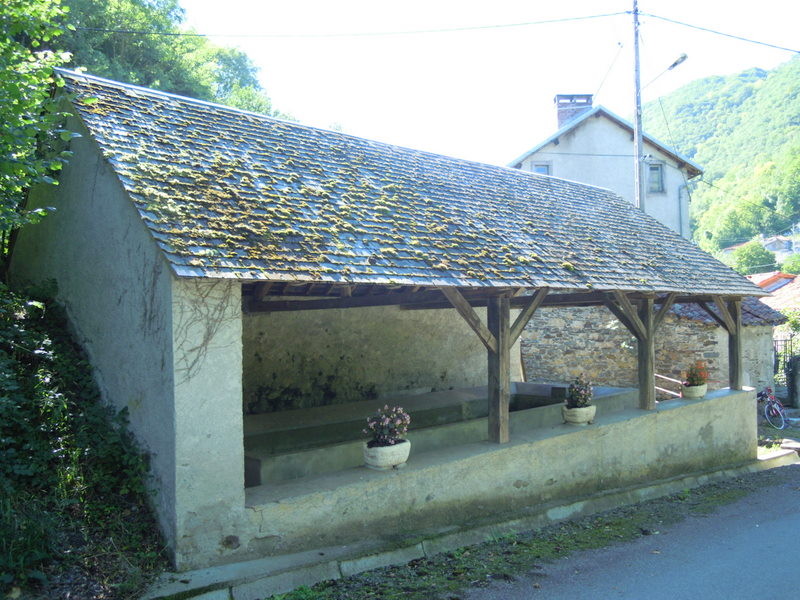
(695, 381)
(578, 408)
(388, 448)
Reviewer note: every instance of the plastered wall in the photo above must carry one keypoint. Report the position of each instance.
(320, 357)
(536, 471)
(600, 152)
(116, 288)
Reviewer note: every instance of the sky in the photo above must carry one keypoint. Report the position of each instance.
(483, 94)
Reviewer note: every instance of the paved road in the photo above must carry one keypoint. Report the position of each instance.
(745, 550)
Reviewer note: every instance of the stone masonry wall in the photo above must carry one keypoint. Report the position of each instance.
(560, 343)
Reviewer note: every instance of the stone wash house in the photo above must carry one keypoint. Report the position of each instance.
(250, 289)
(594, 146)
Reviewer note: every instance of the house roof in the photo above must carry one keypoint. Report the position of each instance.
(232, 194)
(772, 280)
(692, 168)
(763, 241)
(786, 297)
(755, 311)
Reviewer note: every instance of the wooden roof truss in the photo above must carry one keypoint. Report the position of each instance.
(641, 313)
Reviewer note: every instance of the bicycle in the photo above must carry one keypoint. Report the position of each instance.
(774, 411)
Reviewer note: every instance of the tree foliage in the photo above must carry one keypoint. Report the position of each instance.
(753, 258)
(791, 264)
(744, 130)
(29, 117)
(111, 40)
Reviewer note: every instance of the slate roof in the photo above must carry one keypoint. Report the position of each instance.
(755, 311)
(692, 168)
(228, 193)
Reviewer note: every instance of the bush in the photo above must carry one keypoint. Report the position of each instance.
(66, 460)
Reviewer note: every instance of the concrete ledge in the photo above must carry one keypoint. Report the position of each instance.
(276, 575)
(440, 419)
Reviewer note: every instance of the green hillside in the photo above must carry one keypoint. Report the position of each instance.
(744, 130)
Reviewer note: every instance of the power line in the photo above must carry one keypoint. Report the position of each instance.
(428, 31)
(351, 34)
(714, 31)
(669, 131)
(611, 66)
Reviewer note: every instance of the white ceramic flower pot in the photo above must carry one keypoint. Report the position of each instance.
(693, 392)
(383, 458)
(579, 416)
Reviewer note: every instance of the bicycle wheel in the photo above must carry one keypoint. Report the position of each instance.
(774, 415)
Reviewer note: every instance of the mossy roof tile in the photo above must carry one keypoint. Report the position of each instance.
(233, 194)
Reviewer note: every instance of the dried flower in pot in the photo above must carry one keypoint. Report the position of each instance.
(388, 448)
(578, 408)
(695, 381)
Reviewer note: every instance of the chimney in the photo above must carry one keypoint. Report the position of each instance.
(571, 106)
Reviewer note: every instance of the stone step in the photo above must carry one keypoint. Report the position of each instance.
(280, 451)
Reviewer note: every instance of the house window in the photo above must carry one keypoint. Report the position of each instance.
(541, 168)
(655, 181)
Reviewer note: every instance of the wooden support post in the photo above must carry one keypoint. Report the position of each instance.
(730, 318)
(647, 356)
(735, 366)
(642, 324)
(498, 318)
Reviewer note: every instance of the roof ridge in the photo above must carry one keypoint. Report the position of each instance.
(155, 92)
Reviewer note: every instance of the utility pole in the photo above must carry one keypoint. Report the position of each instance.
(638, 151)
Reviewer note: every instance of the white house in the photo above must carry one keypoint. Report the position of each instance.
(595, 146)
(781, 246)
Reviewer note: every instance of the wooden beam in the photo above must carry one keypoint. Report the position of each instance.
(499, 384)
(425, 298)
(526, 314)
(630, 312)
(735, 362)
(262, 290)
(717, 319)
(389, 299)
(301, 286)
(471, 317)
(725, 314)
(646, 356)
(666, 304)
(622, 317)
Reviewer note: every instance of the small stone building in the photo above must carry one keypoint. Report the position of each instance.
(217, 264)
